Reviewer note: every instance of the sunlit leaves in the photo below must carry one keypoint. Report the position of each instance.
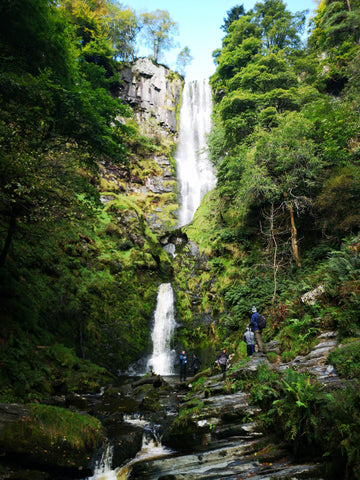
(159, 30)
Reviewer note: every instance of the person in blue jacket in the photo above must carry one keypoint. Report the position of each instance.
(183, 365)
(255, 328)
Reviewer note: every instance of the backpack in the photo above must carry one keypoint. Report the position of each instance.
(261, 322)
(197, 363)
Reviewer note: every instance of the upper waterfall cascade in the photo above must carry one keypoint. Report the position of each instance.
(195, 173)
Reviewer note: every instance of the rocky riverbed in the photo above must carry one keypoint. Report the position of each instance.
(219, 439)
(227, 442)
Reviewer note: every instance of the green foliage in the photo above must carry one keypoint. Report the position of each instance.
(264, 388)
(124, 28)
(312, 420)
(159, 30)
(346, 359)
(341, 272)
(297, 412)
(296, 338)
(342, 424)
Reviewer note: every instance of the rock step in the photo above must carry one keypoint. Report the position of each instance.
(226, 463)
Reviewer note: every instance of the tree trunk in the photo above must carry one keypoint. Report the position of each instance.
(8, 240)
(294, 243)
(275, 264)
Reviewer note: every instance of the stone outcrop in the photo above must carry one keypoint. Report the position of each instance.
(33, 440)
(153, 91)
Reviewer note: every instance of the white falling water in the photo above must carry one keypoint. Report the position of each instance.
(194, 171)
(162, 358)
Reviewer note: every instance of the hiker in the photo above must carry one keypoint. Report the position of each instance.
(254, 325)
(249, 338)
(183, 365)
(196, 364)
(222, 360)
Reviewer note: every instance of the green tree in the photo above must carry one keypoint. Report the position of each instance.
(183, 60)
(89, 19)
(335, 39)
(159, 30)
(233, 14)
(280, 29)
(124, 26)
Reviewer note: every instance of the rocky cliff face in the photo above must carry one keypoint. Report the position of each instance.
(153, 91)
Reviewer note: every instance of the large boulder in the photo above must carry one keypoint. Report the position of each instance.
(52, 438)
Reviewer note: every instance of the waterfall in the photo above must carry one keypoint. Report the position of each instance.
(162, 358)
(194, 171)
(151, 448)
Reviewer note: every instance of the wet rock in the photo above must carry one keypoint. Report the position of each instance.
(80, 402)
(274, 347)
(125, 439)
(155, 380)
(315, 362)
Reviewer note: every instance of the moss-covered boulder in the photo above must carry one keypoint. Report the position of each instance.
(49, 437)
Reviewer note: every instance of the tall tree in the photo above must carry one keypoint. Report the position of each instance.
(159, 30)
(233, 14)
(280, 29)
(124, 26)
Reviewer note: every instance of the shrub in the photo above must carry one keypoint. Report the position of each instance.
(346, 359)
(296, 413)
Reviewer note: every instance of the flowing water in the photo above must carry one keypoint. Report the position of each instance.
(151, 449)
(194, 171)
(195, 178)
(162, 359)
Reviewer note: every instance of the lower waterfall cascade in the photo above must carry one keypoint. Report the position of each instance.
(162, 359)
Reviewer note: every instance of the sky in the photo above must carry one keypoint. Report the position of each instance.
(199, 23)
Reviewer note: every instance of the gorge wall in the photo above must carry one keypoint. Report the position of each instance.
(154, 93)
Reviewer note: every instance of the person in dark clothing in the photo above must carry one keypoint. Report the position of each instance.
(222, 361)
(255, 328)
(196, 364)
(183, 365)
(249, 338)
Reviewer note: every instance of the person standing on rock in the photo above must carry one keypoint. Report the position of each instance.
(249, 338)
(222, 361)
(196, 364)
(183, 365)
(254, 325)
